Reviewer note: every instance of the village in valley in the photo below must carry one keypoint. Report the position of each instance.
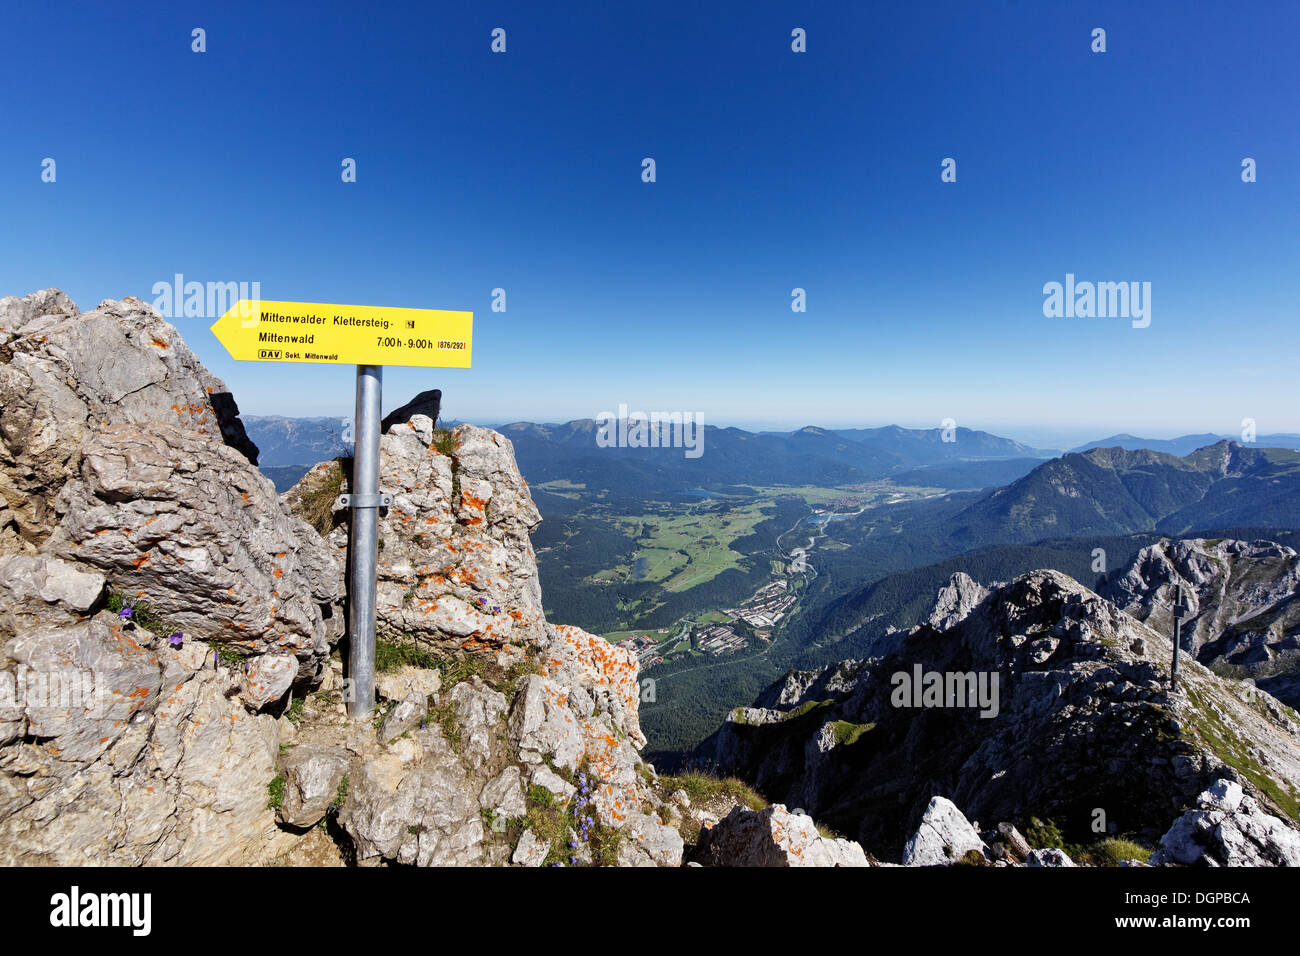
(675, 544)
(722, 632)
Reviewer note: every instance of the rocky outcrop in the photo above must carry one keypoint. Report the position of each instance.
(313, 775)
(956, 600)
(771, 837)
(457, 578)
(415, 806)
(1243, 611)
(800, 687)
(1228, 828)
(125, 473)
(428, 404)
(117, 747)
(451, 788)
(1049, 857)
(39, 587)
(1083, 720)
(191, 529)
(148, 735)
(944, 837)
(65, 375)
(456, 564)
(121, 453)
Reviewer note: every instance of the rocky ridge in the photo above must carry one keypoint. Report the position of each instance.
(171, 678)
(1085, 727)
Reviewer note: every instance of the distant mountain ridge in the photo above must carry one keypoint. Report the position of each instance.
(1184, 444)
(733, 456)
(928, 444)
(284, 441)
(1117, 491)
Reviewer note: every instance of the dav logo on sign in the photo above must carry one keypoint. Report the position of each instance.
(269, 353)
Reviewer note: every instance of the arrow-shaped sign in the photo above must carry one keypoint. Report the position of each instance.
(261, 331)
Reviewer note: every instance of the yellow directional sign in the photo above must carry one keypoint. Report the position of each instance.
(261, 331)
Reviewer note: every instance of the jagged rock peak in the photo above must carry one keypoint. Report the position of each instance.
(1054, 701)
(956, 599)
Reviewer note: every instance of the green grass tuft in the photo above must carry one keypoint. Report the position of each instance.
(1112, 850)
(807, 707)
(444, 439)
(390, 655)
(315, 504)
(445, 717)
(847, 734)
(275, 793)
(552, 822)
(702, 786)
(1044, 835)
(143, 614)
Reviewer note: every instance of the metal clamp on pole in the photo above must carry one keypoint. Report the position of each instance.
(364, 501)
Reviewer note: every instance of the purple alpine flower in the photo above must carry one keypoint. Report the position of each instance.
(125, 613)
(175, 640)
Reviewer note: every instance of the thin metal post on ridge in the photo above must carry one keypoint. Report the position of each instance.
(365, 502)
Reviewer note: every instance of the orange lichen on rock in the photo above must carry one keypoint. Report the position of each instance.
(604, 664)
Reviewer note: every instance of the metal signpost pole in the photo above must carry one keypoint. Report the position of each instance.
(364, 501)
(1178, 636)
(368, 337)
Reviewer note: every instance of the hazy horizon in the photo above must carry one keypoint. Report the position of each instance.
(1033, 436)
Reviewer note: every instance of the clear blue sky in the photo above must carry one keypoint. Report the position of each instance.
(775, 170)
